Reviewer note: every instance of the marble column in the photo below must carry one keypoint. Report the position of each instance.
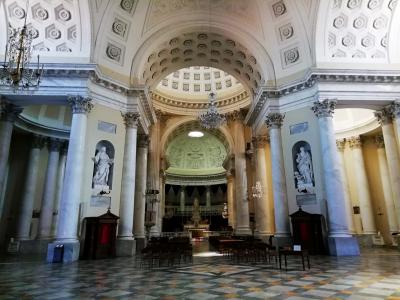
(153, 174)
(59, 187)
(67, 230)
(231, 199)
(49, 190)
(126, 245)
(274, 123)
(341, 144)
(385, 117)
(364, 197)
(8, 114)
(386, 186)
(395, 109)
(182, 199)
(140, 192)
(25, 214)
(241, 197)
(340, 242)
(264, 215)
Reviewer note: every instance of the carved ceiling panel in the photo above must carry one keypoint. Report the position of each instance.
(54, 25)
(358, 30)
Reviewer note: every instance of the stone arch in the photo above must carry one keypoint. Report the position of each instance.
(218, 46)
(190, 123)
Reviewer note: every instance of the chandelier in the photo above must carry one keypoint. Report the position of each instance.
(211, 119)
(17, 70)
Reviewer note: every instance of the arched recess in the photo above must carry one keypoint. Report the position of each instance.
(216, 45)
(190, 123)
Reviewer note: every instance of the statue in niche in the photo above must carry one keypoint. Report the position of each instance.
(305, 175)
(102, 163)
(196, 218)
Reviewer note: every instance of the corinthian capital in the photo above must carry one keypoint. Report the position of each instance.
(80, 105)
(341, 144)
(143, 141)
(384, 116)
(260, 141)
(395, 109)
(379, 141)
(131, 119)
(355, 142)
(9, 112)
(236, 115)
(324, 108)
(274, 120)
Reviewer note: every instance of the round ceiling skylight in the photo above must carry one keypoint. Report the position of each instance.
(195, 134)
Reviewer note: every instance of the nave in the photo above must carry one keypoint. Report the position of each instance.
(373, 275)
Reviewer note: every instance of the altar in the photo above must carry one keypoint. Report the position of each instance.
(199, 231)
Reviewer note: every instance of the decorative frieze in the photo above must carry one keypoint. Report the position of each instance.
(80, 105)
(131, 119)
(324, 108)
(274, 120)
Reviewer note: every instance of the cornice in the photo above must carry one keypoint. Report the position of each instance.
(196, 180)
(317, 77)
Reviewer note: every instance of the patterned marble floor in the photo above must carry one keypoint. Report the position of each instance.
(374, 275)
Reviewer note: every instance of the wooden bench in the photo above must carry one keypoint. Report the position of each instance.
(290, 252)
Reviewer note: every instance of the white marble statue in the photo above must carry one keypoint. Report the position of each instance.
(102, 162)
(305, 174)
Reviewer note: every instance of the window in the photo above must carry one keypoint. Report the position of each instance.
(207, 76)
(196, 76)
(176, 74)
(175, 85)
(228, 83)
(165, 82)
(217, 74)
(186, 87)
(218, 85)
(197, 87)
(186, 75)
(207, 87)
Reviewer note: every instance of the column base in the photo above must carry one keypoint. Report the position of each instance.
(343, 246)
(243, 231)
(365, 240)
(34, 246)
(125, 247)
(70, 252)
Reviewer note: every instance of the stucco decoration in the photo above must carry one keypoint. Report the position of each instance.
(355, 31)
(187, 156)
(103, 168)
(55, 26)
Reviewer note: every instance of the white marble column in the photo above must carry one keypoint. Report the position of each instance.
(241, 197)
(59, 186)
(274, 123)
(67, 230)
(153, 174)
(385, 117)
(386, 186)
(25, 213)
(340, 241)
(182, 199)
(364, 197)
(231, 199)
(140, 193)
(264, 215)
(49, 190)
(72, 187)
(8, 114)
(341, 144)
(208, 197)
(126, 207)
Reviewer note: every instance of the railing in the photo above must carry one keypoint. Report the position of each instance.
(214, 210)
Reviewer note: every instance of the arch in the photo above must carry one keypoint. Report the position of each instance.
(222, 133)
(216, 45)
